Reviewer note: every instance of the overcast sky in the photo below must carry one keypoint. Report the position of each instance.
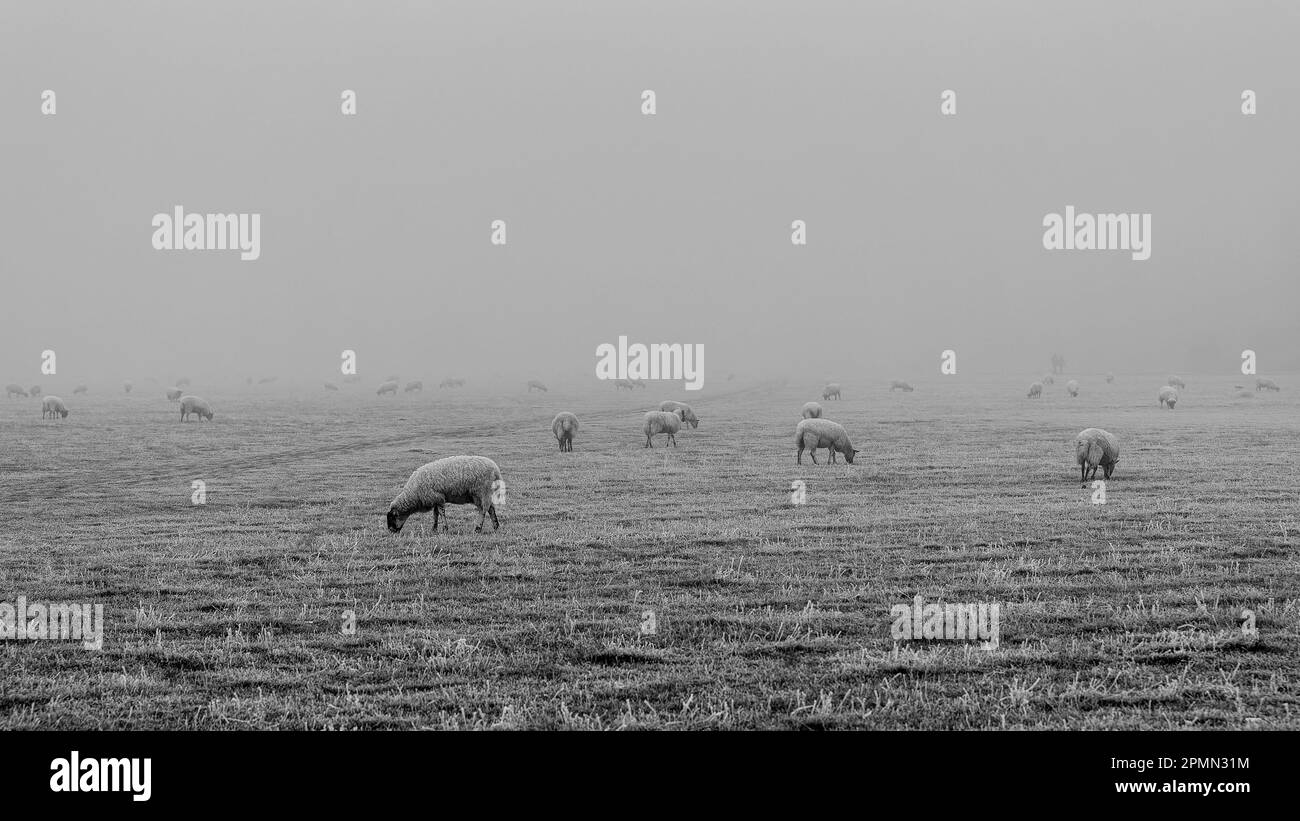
(924, 231)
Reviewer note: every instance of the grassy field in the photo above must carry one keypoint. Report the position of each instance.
(768, 614)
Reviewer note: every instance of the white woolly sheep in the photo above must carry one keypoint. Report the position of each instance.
(623, 383)
(661, 422)
(174, 394)
(564, 426)
(1167, 396)
(1072, 388)
(1036, 390)
(811, 434)
(195, 405)
(78, 389)
(898, 384)
(388, 387)
(831, 391)
(416, 385)
(35, 390)
(533, 384)
(12, 390)
(1095, 447)
(811, 410)
(330, 386)
(683, 411)
(451, 383)
(454, 480)
(127, 386)
(51, 405)
(1049, 380)
(1177, 382)
(1262, 384)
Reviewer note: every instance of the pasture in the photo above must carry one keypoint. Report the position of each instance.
(767, 614)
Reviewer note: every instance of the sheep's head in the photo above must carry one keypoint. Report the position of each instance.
(395, 520)
(64, 414)
(848, 457)
(1171, 400)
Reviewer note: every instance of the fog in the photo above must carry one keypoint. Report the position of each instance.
(925, 232)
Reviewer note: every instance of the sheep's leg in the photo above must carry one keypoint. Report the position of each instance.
(798, 457)
(436, 508)
(647, 441)
(1083, 473)
(492, 511)
(813, 453)
(832, 453)
(482, 515)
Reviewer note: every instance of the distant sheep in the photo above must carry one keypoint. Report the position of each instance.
(36, 390)
(174, 394)
(330, 386)
(1167, 396)
(683, 411)
(1177, 382)
(1049, 380)
(1036, 390)
(898, 384)
(12, 390)
(564, 426)
(811, 410)
(811, 434)
(1095, 447)
(640, 383)
(52, 405)
(417, 385)
(661, 422)
(831, 391)
(1245, 394)
(388, 387)
(533, 384)
(126, 387)
(266, 380)
(1110, 377)
(195, 405)
(1262, 384)
(452, 383)
(623, 383)
(78, 389)
(1072, 388)
(454, 480)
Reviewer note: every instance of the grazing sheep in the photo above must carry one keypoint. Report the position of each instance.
(452, 383)
(417, 385)
(1110, 377)
(682, 409)
(330, 386)
(831, 391)
(811, 434)
(1036, 390)
(640, 383)
(127, 386)
(564, 426)
(1262, 384)
(454, 480)
(195, 405)
(1049, 380)
(623, 383)
(78, 389)
(1094, 447)
(51, 405)
(811, 410)
(388, 387)
(1072, 388)
(534, 384)
(36, 390)
(1167, 396)
(174, 394)
(1177, 382)
(900, 385)
(12, 390)
(661, 422)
